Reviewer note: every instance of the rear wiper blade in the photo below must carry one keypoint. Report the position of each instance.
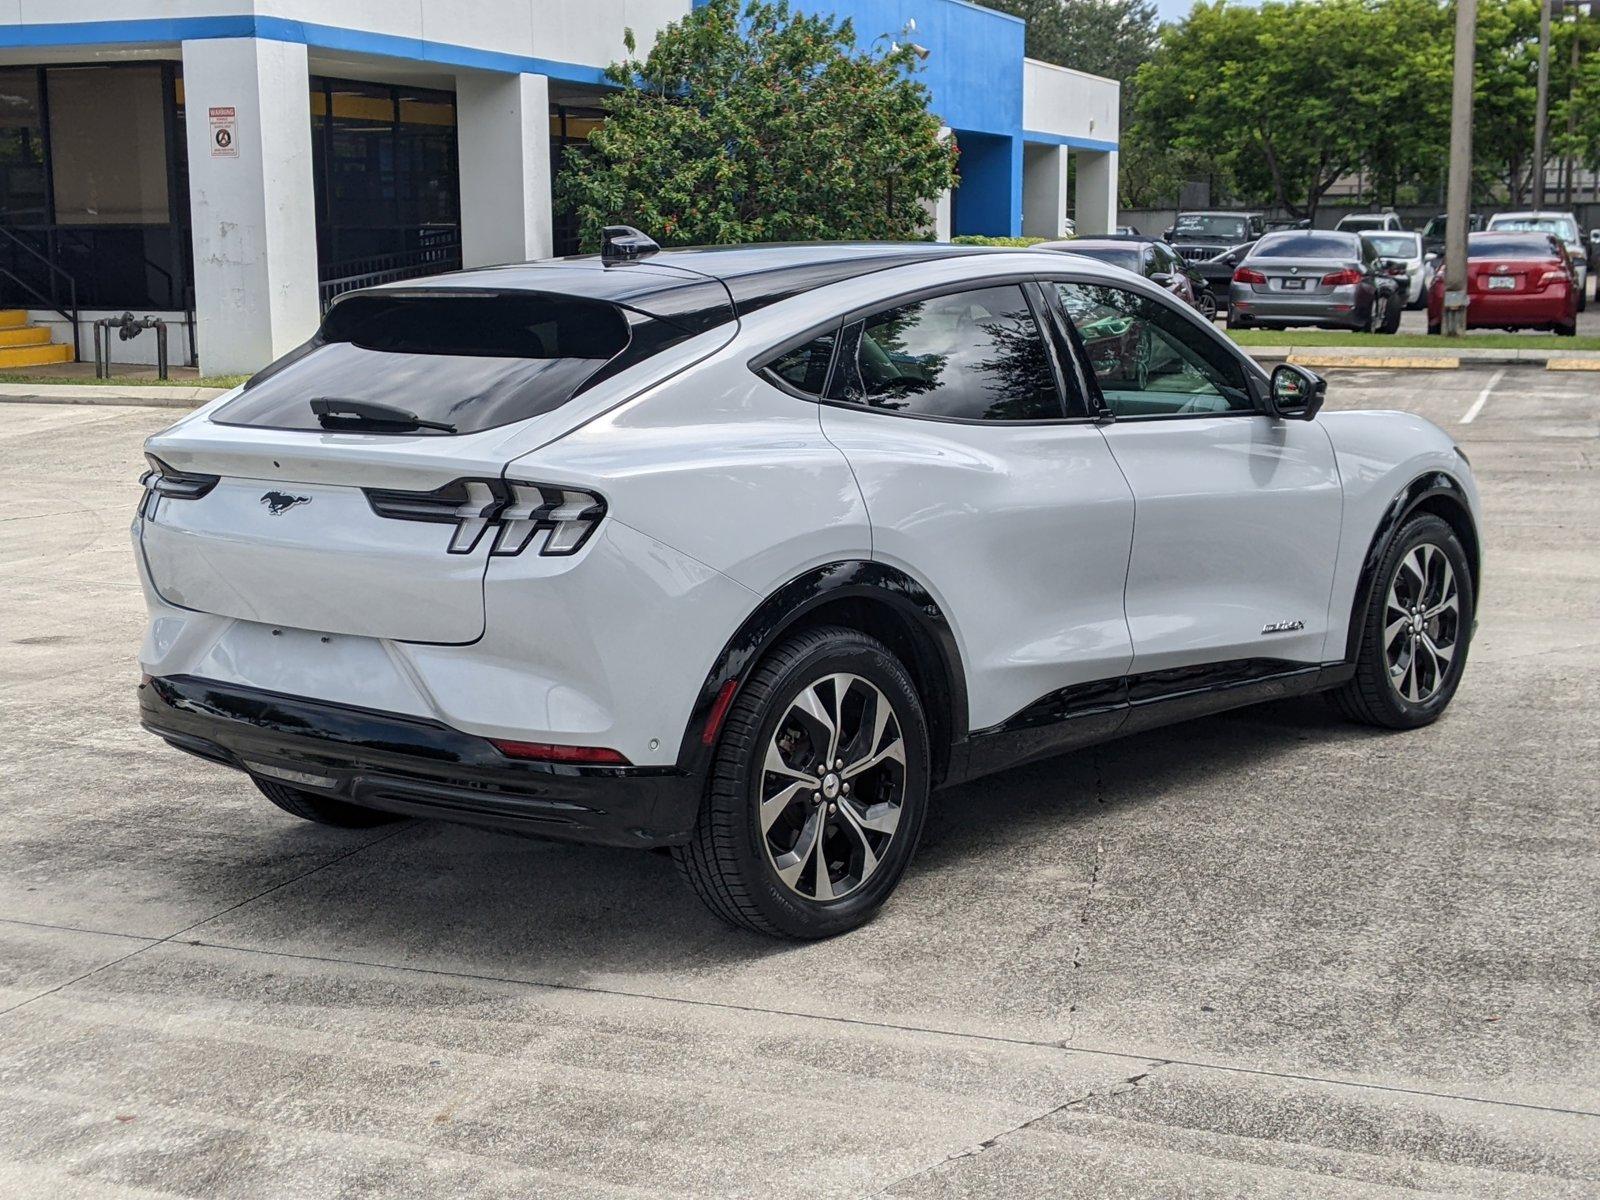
(363, 414)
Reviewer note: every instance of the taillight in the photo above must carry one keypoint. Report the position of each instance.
(577, 756)
(1342, 278)
(1553, 275)
(560, 519)
(1248, 275)
(169, 482)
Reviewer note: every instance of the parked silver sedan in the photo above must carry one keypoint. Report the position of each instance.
(1316, 277)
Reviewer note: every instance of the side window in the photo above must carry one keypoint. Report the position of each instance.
(976, 356)
(1149, 359)
(805, 368)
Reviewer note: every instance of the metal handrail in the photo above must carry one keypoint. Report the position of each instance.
(50, 301)
(373, 269)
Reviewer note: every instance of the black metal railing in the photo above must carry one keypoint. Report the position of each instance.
(59, 293)
(440, 252)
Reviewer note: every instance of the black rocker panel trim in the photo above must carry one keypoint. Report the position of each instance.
(1416, 493)
(1087, 713)
(858, 579)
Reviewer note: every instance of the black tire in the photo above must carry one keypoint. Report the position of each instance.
(1570, 330)
(1207, 304)
(1583, 297)
(1392, 314)
(324, 810)
(1373, 697)
(728, 862)
(1234, 322)
(1435, 329)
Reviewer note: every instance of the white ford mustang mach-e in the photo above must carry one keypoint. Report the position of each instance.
(743, 551)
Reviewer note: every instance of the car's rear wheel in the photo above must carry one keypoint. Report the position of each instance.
(324, 810)
(1570, 329)
(1207, 304)
(1414, 631)
(818, 789)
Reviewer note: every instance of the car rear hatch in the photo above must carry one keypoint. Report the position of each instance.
(356, 486)
(1295, 277)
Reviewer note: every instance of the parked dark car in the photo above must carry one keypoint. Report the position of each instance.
(1201, 235)
(1147, 256)
(1217, 271)
(1316, 277)
(1433, 232)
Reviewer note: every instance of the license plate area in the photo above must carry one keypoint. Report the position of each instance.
(1502, 283)
(1294, 285)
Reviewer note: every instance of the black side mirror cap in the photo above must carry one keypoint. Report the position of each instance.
(1294, 393)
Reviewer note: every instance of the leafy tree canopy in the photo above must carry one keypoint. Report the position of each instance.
(1104, 37)
(761, 125)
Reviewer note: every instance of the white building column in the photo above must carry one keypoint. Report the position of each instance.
(1044, 190)
(503, 131)
(1097, 191)
(251, 201)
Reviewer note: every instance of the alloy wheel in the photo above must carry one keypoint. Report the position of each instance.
(832, 787)
(1421, 623)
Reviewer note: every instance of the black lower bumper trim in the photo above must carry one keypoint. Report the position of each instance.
(416, 767)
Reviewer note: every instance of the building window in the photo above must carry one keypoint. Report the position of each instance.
(108, 145)
(23, 195)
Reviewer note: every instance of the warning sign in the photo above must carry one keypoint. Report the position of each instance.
(224, 132)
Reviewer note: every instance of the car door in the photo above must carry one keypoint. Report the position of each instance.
(1237, 514)
(986, 479)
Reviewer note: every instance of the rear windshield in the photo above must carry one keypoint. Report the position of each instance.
(1510, 245)
(1565, 228)
(457, 363)
(1128, 260)
(1394, 245)
(1204, 225)
(1363, 222)
(1301, 244)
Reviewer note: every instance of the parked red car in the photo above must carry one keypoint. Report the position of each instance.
(1514, 281)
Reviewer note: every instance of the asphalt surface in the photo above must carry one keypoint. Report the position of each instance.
(1266, 953)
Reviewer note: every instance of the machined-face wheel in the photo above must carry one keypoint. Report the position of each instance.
(832, 787)
(1422, 623)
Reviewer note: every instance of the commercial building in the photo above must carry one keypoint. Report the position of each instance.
(232, 165)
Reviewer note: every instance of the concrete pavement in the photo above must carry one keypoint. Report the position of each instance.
(1266, 953)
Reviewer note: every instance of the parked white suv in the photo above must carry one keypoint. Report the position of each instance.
(742, 551)
(1383, 222)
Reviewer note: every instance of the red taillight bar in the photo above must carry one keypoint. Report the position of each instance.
(581, 756)
(1341, 278)
(1248, 275)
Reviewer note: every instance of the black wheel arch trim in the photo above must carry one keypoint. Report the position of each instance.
(1422, 493)
(937, 666)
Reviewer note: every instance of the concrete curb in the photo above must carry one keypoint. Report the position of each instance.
(99, 393)
(1426, 359)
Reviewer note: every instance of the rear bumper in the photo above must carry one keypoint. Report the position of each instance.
(417, 767)
(1341, 307)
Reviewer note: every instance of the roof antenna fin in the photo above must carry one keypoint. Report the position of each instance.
(624, 243)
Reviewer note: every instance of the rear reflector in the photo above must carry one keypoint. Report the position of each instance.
(1248, 275)
(1342, 278)
(719, 709)
(591, 756)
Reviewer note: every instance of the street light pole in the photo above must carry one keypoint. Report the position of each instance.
(1542, 115)
(1458, 196)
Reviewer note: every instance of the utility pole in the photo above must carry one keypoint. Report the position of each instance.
(1544, 105)
(1458, 205)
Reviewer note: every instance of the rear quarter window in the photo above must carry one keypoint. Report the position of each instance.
(469, 361)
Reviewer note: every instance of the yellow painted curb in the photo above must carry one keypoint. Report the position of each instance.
(1572, 364)
(1386, 361)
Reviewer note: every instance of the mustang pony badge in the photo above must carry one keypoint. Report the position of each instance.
(279, 503)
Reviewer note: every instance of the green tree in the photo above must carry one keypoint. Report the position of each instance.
(1104, 37)
(761, 125)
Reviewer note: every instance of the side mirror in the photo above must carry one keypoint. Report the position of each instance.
(1295, 394)
(1167, 236)
(1394, 266)
(1232, 260)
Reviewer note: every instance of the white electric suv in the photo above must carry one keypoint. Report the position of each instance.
(743, 551)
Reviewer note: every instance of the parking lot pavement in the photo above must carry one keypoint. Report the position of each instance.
(1266, 953)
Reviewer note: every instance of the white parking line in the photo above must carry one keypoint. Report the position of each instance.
(1471, 415)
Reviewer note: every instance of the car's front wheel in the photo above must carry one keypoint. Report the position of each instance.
(1414, 630)
(818, 789)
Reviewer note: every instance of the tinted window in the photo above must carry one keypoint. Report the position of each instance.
(1302, 244)
(1200, 225)
(1117, 256)
(1148, 358)
(805, 368)
(472, 362)
(1511, 245)
(973, 355)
